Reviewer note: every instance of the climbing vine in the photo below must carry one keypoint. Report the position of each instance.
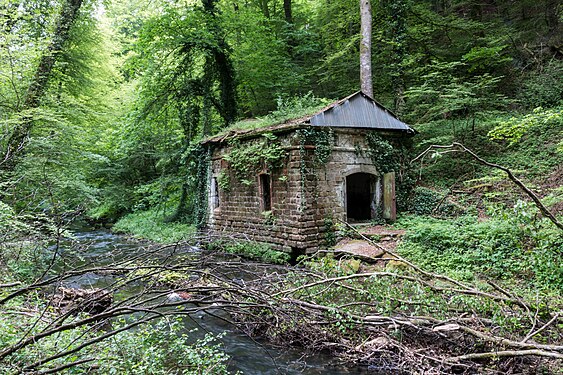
(388, 157)
(321, 138)
(199, 163)
(383, 154)
(248, 158)
(224, 181)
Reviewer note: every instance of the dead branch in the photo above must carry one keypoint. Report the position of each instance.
(542, 328)
(506, 353)
(455, 146)
(463, 288)
(66, 366)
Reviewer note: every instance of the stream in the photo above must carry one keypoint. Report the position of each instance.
(101, 247)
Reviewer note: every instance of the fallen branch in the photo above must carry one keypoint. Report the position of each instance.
(460, 147)
(506, 353)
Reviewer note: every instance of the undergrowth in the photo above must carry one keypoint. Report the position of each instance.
(512, 246)
(287, 109)
(152, 225)
(161, 348)
(250, 249)
(529, 143)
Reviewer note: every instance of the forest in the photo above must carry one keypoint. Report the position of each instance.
(103, 108)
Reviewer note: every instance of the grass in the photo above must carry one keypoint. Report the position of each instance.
(150, 225)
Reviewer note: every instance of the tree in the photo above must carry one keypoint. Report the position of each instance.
(287, 11)
(365, 48)
(67, 17)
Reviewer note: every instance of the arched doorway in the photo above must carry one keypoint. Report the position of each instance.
(361, 197)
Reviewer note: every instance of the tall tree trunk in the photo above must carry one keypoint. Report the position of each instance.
(287, 11)
(365, 48)
(35, 92)
(265, 8)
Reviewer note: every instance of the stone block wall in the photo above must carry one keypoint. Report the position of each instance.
(301, 202)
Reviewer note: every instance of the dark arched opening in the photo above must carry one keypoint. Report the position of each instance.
(361, 196)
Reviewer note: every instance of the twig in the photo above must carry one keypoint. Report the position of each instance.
(547, 213)
(542, 328)
(66, 366)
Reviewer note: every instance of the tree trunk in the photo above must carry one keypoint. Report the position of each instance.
(365, 48)
(35, 92)
(287, 11)
(265, 8)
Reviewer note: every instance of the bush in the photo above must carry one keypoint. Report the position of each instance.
(426, 201)
(162, 348)
(544, 88)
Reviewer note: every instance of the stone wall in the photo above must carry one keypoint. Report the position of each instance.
(300, 203)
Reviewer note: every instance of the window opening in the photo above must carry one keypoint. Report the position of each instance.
(266, 192)
(215, 193)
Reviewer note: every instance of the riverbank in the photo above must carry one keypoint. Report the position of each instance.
(450, 296)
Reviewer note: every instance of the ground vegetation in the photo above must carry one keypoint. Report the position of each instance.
(103, 106)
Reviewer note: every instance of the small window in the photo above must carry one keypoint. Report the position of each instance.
(215, 193)
(266, 192)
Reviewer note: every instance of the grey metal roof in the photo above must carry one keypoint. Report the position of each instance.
(359, 111)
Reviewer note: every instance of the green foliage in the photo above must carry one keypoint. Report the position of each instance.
(393, 156)
(287, 109)
(252, 250)
(152, 225)
(199, 162)
(427, 201)
(224, 181)
(513, 246)
(482, 58)
(543, 87)
(330, 231)
(384, 155)
(162, 348)
(321, 138)
(513, 129)
(248, 158)
(393, 295)
(442, 92)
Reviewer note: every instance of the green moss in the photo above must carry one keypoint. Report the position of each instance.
(288, 109)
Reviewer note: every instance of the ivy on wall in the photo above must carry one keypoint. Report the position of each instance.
(246, 159)
(200, 165)
(393, 157)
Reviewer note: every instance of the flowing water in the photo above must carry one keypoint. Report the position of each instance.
(101, 247)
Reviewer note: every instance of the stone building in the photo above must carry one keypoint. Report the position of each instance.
(287, 184)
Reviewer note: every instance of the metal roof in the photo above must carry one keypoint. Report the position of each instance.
(355, 111)
(359, 111)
